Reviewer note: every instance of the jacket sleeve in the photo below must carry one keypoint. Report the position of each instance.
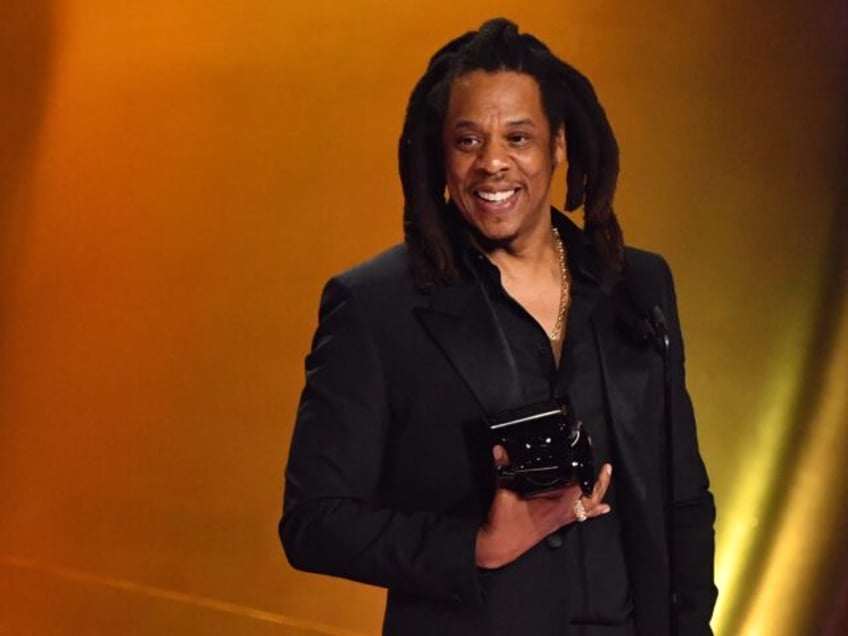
(694, 508)
(334, 521)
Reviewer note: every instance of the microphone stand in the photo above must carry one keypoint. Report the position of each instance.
(664, 343)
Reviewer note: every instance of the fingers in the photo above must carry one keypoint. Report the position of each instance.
(501, 458)
(602, 483)
(593, 505)
(567, 500)
(585, 510)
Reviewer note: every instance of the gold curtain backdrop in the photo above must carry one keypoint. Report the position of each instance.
(177, 181)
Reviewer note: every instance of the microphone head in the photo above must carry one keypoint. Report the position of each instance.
(631, 318)
(658, 317)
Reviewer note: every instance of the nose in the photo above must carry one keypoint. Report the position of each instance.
(492, 158)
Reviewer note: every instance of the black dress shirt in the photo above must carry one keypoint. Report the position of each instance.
(590, 594)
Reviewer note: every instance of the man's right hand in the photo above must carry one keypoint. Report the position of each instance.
(515, 524)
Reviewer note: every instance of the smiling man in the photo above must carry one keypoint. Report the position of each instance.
(500, 154)
(495, 303)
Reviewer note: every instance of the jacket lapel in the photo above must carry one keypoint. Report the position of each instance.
(632, 375)
(594, 329)
(624, 379)
(461, 321)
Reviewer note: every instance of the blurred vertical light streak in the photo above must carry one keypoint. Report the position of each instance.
(801, 587)
(808, 533)
(738, 523)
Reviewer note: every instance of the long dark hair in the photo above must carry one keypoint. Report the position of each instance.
(431, 228)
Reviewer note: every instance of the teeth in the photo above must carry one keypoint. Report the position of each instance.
(495, 197)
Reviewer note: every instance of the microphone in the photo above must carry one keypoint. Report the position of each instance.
(663, 344)
(633, 320)
(639, 322)
(644, 321)
(660, 328)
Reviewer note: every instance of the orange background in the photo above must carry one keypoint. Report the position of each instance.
(177, 180)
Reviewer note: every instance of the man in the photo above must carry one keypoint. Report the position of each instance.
(496, 302)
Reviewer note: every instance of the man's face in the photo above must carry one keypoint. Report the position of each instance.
(499, 158)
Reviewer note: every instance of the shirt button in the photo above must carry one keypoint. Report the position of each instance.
(554, 541)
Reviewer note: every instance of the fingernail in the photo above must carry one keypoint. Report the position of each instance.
(609, 470)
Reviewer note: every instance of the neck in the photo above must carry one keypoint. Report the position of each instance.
(532, 256)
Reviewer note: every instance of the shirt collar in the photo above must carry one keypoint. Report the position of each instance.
(583, 259)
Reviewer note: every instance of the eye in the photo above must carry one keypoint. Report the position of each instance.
(518, 138)
(467, 142)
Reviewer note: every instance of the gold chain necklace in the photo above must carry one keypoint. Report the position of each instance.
(564, 289)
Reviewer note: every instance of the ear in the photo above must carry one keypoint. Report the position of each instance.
(559, 146)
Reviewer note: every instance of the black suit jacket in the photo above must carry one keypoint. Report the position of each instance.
(387, 476)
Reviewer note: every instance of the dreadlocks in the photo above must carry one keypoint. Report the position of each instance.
(431, 228)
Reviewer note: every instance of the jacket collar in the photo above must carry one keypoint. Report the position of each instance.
(583, 259)
(461, 320)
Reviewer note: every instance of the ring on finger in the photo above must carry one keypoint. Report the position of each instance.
(580, 511)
